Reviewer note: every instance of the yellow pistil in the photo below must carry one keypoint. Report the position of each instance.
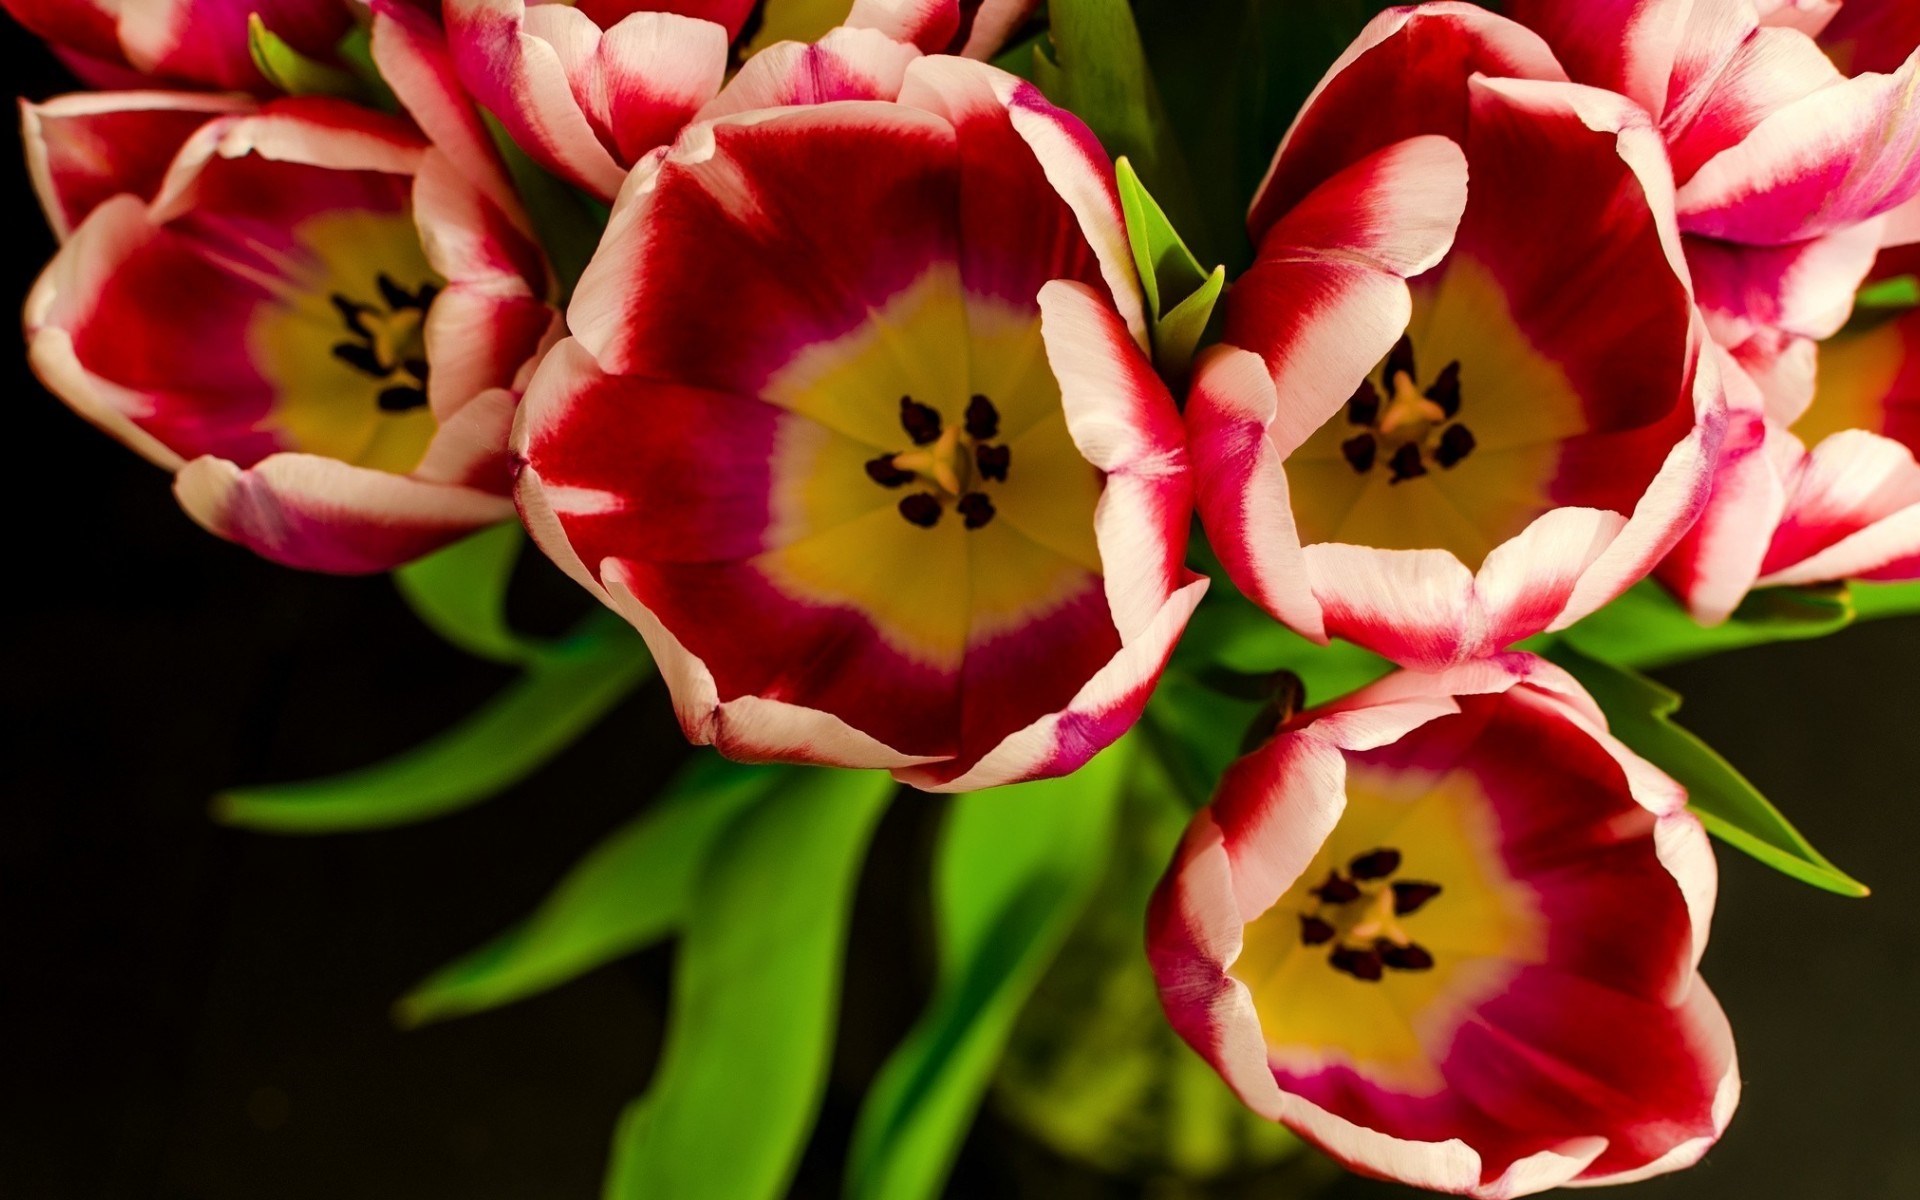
(947, 463)
(397, 337)
(1409, 416)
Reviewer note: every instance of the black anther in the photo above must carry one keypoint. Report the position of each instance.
(1361, 964)
(1446, 390)
(1410, 957)
(920, 509)
(976, 508)
(1359, 452)
(401, 399)
(882, 471)
(1375, 864)
(1314, 931)
(921, 422)
(1455, 444)
(993, 461)
(1410, 896)
(1406, 463)
(983, 419)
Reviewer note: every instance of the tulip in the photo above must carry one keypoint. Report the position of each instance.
(183, 43)
(1460, 399)
(1447, 930)
(315, 319)
(1792, 176)
(857, 427)
(1787, 169)
(588, 90)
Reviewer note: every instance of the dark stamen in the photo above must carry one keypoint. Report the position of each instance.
(1375, 864)
(417, 367)
(1361, 964)
(983, 419)
(401, 399)
(1446, 390)
(1314, 931)
(350, 314)
(1337, 890)
(1410, 897)
(1364, 408)
(1406, 463)
(882, 471)
(361, 358)
(397, 297)
(428, 293)
(1359, 451)
(1400, 361)
(1455, 444)
(920, 509)
(993, 461)
(1410, 957)
(921, 422)
(976, 508)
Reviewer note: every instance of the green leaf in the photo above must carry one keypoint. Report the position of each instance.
(755, 998)
(568, 221)
(296, 74)
(630, 891)
(504, 742)
(1873, 601)
(1098, 71)
(1094, 1071)
(1180, 293)
(355, 50)
(1639, 712)
(1647, 628)
(461, 594)
(1013, 870)
(1902, 291)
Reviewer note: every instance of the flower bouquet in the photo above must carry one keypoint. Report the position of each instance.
(1242, 455)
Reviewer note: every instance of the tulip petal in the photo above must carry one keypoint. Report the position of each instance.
(84, 148)
(319, 514)
(1405, 75)
(846, 64)
(1844, 154)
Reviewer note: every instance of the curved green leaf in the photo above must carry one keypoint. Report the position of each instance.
(507, 740)
(1647, 628)
(1639, 712)
(756, 993)
(1181, 294)
(461, 594)
(1874, 601)
(296, 74)
(631, 890)
(1014, 868)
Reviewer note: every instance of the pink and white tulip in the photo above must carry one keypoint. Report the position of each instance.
(1448, 931)
(1791, 175)
(1787, 169)
(588, 90)
(857, 427)
(183, 43)
(974, 28)
(315, 320)
(1461, 399)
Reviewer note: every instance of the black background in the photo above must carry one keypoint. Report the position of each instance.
(196, 1012)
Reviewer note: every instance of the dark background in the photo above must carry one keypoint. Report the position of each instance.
(195, 1012)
